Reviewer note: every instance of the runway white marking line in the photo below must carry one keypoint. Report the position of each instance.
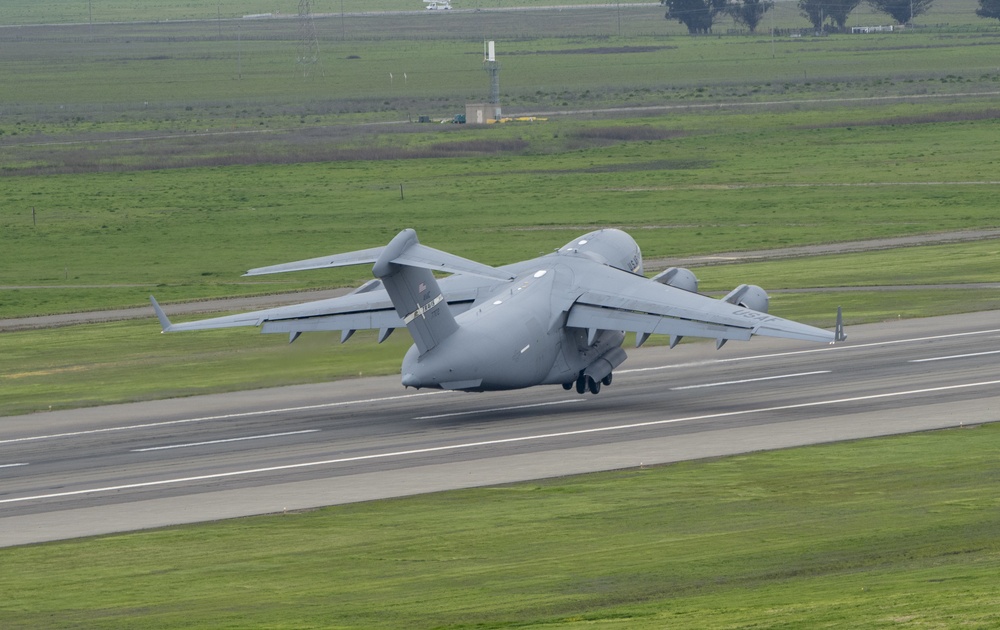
(477, 411)
(227, 416)
(222, 441)
(359, 402)
(798, 352)
(526, 438)
(12, 465)
(750, 380)
(955, 356)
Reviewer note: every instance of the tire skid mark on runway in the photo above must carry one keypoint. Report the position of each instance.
(222, 441)
(513, 440)
(750, 380)
(494, 409)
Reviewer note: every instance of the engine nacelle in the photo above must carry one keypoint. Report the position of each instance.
(749, 296)
(679, 278)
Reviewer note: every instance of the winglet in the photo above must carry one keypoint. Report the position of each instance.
(160, 315)
(838, 333)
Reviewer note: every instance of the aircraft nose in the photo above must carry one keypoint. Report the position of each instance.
(409, 380)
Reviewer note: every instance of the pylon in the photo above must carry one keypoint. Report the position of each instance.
(308, 54)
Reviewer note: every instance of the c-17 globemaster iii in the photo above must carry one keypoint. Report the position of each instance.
(557, 319)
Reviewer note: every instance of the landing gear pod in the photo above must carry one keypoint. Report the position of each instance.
(598, 372)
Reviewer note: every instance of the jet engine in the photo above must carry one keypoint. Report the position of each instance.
(749, 296)
(679, 278)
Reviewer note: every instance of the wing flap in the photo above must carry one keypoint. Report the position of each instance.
(344, 321)
(592, 317)
(369, 309)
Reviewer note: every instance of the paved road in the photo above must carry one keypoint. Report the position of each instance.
(92, 471)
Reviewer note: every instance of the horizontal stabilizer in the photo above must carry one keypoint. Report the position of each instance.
(436, 260)
(416, 255)
(360, 257)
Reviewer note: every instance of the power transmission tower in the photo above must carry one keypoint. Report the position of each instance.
(308, 54)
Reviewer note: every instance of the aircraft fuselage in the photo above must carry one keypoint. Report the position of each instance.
(517, 337)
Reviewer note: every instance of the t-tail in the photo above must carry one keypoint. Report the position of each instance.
(415, 293)
(406, 271)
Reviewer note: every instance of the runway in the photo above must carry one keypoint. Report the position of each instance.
(126, 467)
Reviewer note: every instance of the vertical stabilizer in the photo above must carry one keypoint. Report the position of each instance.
(414, 293)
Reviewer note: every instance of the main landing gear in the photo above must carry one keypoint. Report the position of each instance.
(585, 383)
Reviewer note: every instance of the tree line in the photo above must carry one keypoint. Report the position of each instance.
(699, 15)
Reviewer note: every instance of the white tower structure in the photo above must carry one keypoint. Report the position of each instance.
(492, 67)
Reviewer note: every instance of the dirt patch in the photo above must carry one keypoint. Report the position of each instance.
(938, 117)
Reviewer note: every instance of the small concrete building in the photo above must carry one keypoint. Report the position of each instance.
(481, 113)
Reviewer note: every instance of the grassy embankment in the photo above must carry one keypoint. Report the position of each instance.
(893, 532)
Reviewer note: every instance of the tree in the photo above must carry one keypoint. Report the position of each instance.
(697, 15)
(818, 11)
(989, 9)
(839, 10)
(749, 12)
(903, 11)
(813, 10)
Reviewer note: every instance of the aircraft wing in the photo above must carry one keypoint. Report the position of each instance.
(647, 307)
(350, 312)
(368, 307)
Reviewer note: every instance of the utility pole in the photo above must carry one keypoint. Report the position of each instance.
(239, 52)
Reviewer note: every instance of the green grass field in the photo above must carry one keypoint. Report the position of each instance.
(885, 533)
(191, 75)
(60, 11)
(106, 240)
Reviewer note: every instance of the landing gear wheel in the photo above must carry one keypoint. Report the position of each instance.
(593, 386)
(568, 386)
(607, 379)
(581, 385)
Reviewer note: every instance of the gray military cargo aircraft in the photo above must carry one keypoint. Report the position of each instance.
(557, 319)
